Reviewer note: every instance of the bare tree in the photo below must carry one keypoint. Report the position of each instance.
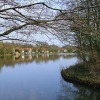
(20, 20)
(74, 21)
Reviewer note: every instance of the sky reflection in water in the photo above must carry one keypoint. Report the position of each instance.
(39, 78)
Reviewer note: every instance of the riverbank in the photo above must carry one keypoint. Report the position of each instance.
(88, 76)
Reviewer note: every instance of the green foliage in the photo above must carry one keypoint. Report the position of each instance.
(41, 47)
(87, 27)
(70, 48)
(80, 73)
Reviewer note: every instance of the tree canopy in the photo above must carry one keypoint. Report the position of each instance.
(21, 20)
(74, 21)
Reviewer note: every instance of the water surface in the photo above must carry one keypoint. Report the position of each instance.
(39, 78)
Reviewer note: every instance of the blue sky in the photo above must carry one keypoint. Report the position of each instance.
(51, 40)
(40, 37)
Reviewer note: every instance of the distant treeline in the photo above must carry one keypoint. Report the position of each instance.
(7, 48)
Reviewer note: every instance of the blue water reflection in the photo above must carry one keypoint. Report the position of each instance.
(38, 78)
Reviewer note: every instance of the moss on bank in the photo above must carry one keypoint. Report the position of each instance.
(89, 76)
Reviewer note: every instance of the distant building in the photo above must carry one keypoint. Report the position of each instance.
(22, 51)
(65, 50)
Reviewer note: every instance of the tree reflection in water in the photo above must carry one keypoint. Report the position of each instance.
(11, 61)
(25, 82)
(71, 91)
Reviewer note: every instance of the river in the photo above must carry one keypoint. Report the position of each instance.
(38, 77)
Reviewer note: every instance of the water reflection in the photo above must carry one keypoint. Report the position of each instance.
(31, 78)
(12, 60)
(70, 91)
(38, 77)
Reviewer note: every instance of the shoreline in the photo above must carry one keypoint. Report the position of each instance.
(70, 75)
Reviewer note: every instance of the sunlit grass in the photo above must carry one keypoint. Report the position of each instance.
(89, 75)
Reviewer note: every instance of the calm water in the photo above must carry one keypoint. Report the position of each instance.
(39, 78)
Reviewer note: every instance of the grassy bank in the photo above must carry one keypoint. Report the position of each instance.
(89, 75)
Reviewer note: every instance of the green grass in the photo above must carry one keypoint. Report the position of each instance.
(88, 75)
